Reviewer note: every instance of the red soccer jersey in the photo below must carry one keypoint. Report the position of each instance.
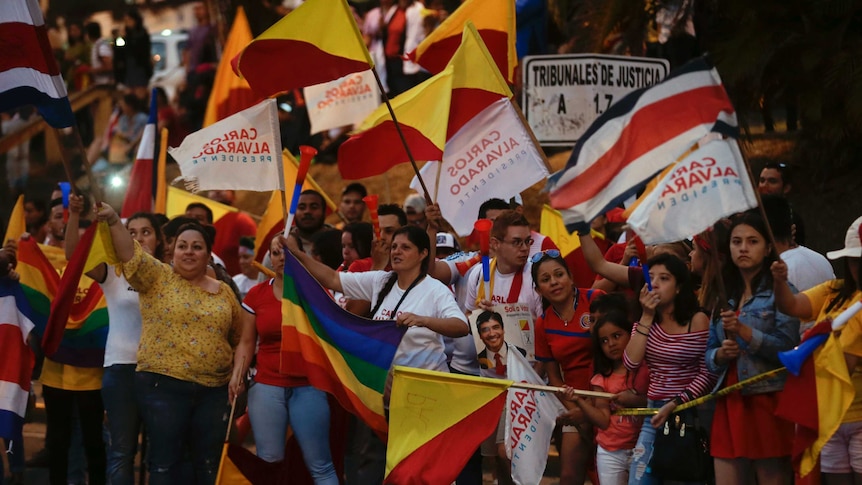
(568, 342)
(267, 311)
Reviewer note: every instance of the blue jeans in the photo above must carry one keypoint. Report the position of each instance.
(181, 415)
(124, 422)
(272, 409)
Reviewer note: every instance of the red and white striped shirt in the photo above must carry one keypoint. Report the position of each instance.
(676, 364)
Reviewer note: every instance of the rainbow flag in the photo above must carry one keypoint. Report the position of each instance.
(343, 354)
(438, 420)
(76, 332)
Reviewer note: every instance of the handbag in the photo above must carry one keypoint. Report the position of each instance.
(681, 450)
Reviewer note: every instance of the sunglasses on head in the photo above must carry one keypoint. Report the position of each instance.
(551, 253)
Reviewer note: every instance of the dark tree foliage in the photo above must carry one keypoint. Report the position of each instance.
(802, 56)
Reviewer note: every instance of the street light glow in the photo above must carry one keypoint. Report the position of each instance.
(116, 181)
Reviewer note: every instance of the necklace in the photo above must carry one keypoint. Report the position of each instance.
(574, 310)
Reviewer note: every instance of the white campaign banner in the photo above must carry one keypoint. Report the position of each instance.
(240, 152)
(709, 184)
(345, 101)
(491, 156)
(530, 420)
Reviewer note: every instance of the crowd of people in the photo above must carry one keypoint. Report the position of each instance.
(195, 320)
(188, 336)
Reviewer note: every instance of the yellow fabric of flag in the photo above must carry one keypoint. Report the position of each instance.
(316, 43)
(552, 226)
(425, 108)
(835, 393)
(17, 222)
(102, 250)
(179, 199)
(426, 403)
(230, 93)
(474, 66)
(228, 473)
(493, 19)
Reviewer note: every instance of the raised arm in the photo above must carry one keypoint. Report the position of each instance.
(617, 273)
(327, 276)
(796, 305)
(636, 349)
(124, 246)
(76, 206)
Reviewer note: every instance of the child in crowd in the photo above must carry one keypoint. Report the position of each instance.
(617, 435)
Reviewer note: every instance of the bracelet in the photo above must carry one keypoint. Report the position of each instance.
(678, 401)
(638, 330)
(114, 221)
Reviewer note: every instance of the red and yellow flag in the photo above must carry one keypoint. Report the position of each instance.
(231, 93)
(317, 42)
(422, 113)
(434, 415)
(495, 22)
(476, 80)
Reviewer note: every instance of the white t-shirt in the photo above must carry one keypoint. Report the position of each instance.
(806, 268)
(244, 283)
(502, 286)
(461, 351)
(124, 320)
(414, 34)
(421, 347)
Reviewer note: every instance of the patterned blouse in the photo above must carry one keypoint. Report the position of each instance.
(187, 333)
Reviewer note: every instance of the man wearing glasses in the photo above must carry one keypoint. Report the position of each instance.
(510, 278)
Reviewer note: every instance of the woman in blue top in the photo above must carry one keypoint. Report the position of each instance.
(744, 342)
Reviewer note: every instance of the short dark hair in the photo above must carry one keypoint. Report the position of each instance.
(93, 30)
(780, 216)
(393, 210)
(171, 229)
(207, 232)
(247, 242)
(327, 245)
(783, 169)
(487, 316)
(318, 194)
(492, 204)
(355, 187)
(206, 209)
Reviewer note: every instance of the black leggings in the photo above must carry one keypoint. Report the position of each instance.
(59, 405)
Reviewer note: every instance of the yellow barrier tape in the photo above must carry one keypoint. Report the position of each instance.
(709, 397)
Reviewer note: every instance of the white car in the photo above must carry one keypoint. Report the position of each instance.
(168, 72)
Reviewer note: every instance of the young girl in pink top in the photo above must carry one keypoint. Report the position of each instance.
(617, 435)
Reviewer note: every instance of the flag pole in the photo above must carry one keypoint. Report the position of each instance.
(769, 232)
(71, 148)
(437, 180)
(161, 202)
(532, 135)
(227, 433)
(578, 392)
(401, 135)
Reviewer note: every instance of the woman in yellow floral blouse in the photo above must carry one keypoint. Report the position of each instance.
(190, 327)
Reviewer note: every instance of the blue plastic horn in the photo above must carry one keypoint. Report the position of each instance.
(795, 358)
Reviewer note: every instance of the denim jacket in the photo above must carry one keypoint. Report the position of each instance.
(771, 332)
